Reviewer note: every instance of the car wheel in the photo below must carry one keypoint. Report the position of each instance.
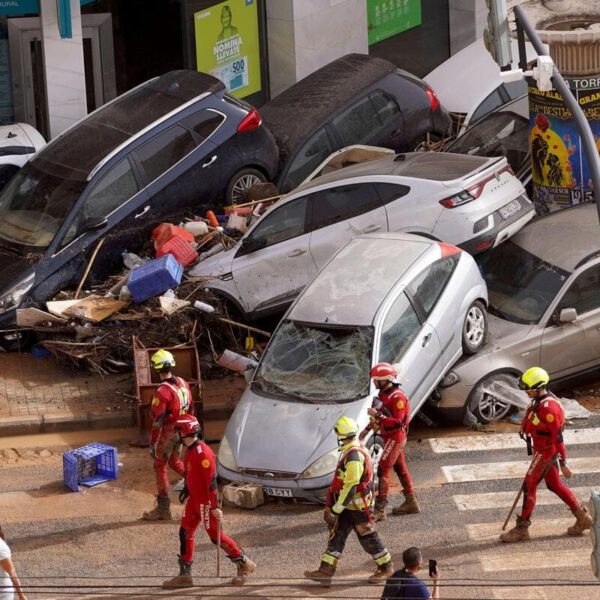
(375, 447)
(474, 328)
(488, 407)
(240, 183)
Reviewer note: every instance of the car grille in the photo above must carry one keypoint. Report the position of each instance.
(481, 224)
(269, 474)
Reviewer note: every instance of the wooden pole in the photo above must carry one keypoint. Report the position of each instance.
(87, 271)
(512, 508)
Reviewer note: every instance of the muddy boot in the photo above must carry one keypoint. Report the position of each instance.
(184, 579)
(161, 512)
(519, 533)
(322, 575)
(379, 509)
(245, 567)
(584, 521)
(382, 573)
(408, 507)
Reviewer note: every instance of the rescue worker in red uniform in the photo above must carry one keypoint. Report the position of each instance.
(543, 425)
(348, 508)
(389, 416)
(172, 399)
(200, 495)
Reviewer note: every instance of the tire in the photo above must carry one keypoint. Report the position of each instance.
(486, 407)
(240, 182)
(474, 328)
(375, 447)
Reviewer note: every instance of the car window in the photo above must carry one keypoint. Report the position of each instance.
(340, 203)
(400, 327)
(388, 192)
(386, 107)
(427, 287)
(165, 150)
(6, 172)
(203, 122)
(493, 101)
(357, 124)
(309, 157)
(515, 89)
(584, 293)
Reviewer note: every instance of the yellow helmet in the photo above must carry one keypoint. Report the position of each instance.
(162, 360)
(345, 428)
(533, 379)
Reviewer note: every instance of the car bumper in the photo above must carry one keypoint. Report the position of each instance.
(8, 320)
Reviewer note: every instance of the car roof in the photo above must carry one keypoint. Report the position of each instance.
(296, 112)
(563, 238)
(79, 149)
(350, 288)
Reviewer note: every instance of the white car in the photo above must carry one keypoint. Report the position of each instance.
(469, 201)
(18, 143)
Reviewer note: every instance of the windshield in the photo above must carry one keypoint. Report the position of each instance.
(521, 286)
(34, 204)
(316, 364)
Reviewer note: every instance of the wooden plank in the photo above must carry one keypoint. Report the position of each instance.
(31, 317)
(58, 307)
(95, 308)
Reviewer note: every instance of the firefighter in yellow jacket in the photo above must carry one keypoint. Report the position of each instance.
(348, 507)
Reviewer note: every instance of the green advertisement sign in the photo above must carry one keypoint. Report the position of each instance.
(227, 45)
(390, 17)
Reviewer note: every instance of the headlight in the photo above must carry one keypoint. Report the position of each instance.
(323, 466)
(226, 456)
(12, 298)
(449, 379)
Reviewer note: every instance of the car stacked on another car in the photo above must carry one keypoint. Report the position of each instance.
(18, 143)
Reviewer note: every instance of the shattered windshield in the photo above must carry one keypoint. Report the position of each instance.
(317, 364)
(521, 286)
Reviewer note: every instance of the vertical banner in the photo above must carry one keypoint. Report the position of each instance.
(386, 18)
(6, 98)
(227, 45)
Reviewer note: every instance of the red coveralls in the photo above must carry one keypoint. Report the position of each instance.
(172, 399)
(393, 427)
(544, 421)
(201, 482)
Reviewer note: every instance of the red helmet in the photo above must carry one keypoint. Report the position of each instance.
(187, 425)
(383, 372)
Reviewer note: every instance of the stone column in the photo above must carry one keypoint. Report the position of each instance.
(64, 69)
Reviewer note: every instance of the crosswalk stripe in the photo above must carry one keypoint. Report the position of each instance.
(509, 470)
(505, 499)
(479, 532)
(526, 560)
(529, 593)
(506, 441)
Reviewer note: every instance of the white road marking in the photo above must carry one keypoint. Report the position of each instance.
(509, 470)
(505, 499)
(523, 593)
(480, 532)
(525, 560)
(505, 441)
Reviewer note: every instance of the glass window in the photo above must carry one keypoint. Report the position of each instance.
(337, 204)
(584, 293)
(400, 327)
(358, 124)
(284, 223)
(164, 150)
(427, 287)
(388, 192)
(203, 122)
(515, 89)
(493, 101)
(386, 107)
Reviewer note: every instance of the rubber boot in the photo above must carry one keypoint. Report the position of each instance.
(408, 507)
(584, 521)
(382, 573)
(323, 574)
(161, 512)
(379, 509)
(245, 567)
(184, 579)
(520, 533)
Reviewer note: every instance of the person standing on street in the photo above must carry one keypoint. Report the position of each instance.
(404, 583)
(200, 495)
(9, 582)
(390, 414)
(348, 508)
(543, 426)
(172, 399)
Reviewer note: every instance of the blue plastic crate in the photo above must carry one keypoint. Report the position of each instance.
(90, 465)
(154, 278)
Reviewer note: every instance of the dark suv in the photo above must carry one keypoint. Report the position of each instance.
(356, 99)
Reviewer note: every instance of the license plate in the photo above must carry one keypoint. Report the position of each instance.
(278, 492)
(510, 209)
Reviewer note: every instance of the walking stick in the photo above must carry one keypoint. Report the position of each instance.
(512, 509)
(219, 542)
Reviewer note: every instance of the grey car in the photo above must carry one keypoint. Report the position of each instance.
(544, 309)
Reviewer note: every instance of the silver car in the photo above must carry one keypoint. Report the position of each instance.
(544, 289)
(403, 299)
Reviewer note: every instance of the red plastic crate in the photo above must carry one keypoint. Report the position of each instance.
(165, 231)
(182, 251)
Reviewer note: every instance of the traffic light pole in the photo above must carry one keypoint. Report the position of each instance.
(583, 127)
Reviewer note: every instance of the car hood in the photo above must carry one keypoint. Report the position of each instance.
(500, 331)
(216, 265)
(13, 267)
(282, 435)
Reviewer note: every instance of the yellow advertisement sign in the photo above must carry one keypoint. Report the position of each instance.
(227, 45)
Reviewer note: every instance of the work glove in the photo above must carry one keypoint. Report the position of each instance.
(184, 494)
(217, 513)
(363, 434)
(331, 519)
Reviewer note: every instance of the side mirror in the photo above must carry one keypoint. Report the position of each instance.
(92, 223)
(567, 315)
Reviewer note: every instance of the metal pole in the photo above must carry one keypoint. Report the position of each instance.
(583, 127)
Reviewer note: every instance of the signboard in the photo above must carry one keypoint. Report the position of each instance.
(19, 7)
(227, 45)
(386, 18)
(560, 170)
(6, 98)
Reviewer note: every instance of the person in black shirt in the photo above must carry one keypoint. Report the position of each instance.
(405, 584)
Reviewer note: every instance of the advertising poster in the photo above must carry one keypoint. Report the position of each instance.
(560, 171)
(227, 45)
(388, 17)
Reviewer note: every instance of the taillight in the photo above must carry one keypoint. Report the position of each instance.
(448, 249)
(250, 122)
(473, 192)
(434, 102)
(457, 200)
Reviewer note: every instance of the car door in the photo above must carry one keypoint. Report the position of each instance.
(358, 124)
(567, 348)
(411, 346)
(274, 263)
(392, 127)
(341, 213)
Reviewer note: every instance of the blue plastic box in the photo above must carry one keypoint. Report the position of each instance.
(154, 278)
(90, 465)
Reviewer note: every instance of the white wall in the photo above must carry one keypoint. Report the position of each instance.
(467, 21)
